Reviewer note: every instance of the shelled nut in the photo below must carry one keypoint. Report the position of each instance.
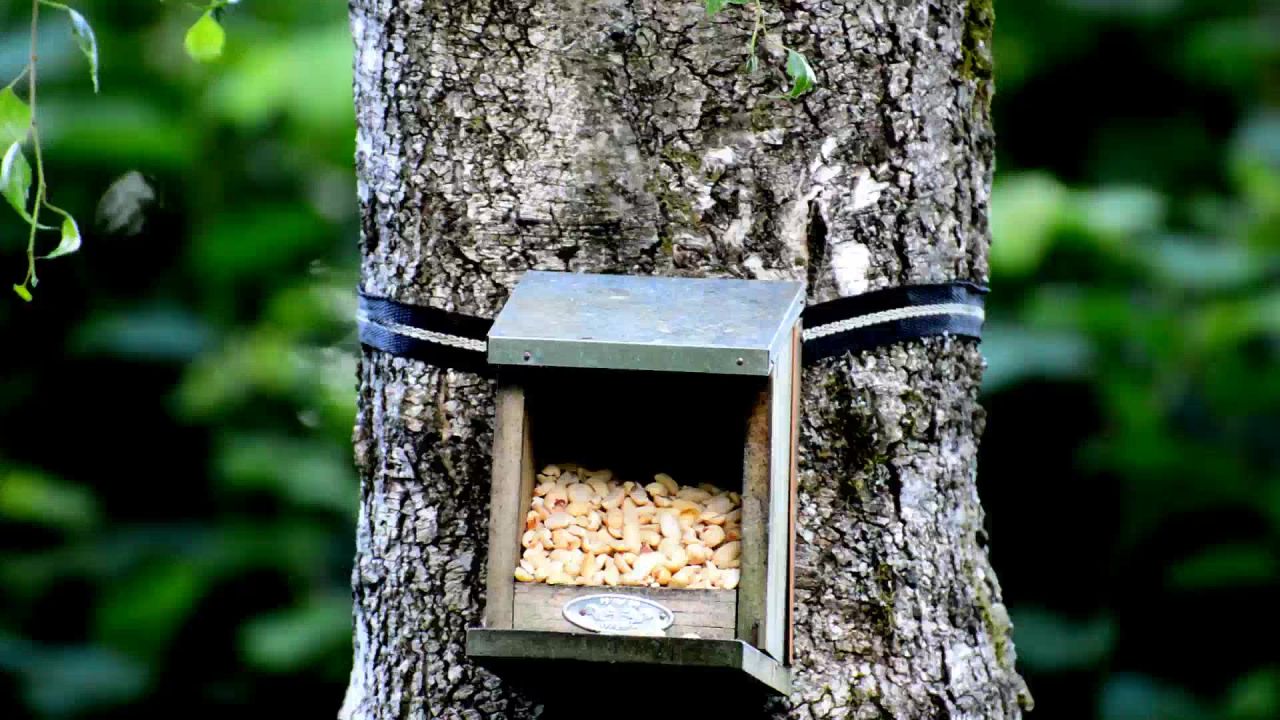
(585, 527)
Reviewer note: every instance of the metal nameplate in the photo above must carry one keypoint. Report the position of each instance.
(618, 615)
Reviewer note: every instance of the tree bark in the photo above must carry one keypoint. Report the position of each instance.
(624, 136)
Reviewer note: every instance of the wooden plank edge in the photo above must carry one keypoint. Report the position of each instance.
(797, 376)
(496, 644)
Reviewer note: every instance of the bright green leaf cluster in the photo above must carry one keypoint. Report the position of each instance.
(205, 39)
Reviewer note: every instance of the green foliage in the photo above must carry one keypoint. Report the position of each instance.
(177, 503)
(802, 78)
(70, 241)
(1133, 340)
(204, 42)
(87, 41)
(797, 68)
(15, 180)
(15, 118)
(205, 39)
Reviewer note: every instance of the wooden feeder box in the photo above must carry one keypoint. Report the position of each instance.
(697, 378)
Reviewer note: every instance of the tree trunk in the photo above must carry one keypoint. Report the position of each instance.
(624, 136)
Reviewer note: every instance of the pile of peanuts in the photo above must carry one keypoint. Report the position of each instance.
(585, 528)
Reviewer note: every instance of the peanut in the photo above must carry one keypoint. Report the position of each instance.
(614, 498)
(693, 494)
(676, 559)
(668, 482)
(669, 524)
(729, 578)
(639, 496)
(697, 553)
(585, 528)
(727, 555)
(559, 520)
(712, 536)
(720, 504)
(663, 575)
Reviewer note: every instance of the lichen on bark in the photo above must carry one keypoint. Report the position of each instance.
(622, 136)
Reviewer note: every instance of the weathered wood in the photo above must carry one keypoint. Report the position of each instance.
(507, 495)
(753, 585)
(681, 653)
(707, 613)
(793, 472)
(773, 631)
(672, 598)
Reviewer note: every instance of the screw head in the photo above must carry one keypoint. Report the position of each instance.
(741, 362)
(528, 356)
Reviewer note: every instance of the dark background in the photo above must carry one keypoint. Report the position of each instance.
(176, 494)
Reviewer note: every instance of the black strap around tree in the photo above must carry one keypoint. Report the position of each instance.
(849, 324)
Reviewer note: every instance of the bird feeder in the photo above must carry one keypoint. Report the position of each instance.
(691, 382)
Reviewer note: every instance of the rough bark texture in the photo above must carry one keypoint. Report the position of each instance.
(623, 136)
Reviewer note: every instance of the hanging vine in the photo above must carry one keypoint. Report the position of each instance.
(797, 66)
(20, 128)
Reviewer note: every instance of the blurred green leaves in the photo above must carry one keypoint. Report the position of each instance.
(1026, 209)
(270, 79)
(298, 637)
(1135, 256)
(1049, 642)
(61, 682)
(213, 325)
(35, 498)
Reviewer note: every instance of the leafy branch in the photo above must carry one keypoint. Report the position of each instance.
(18, 125)
(797, 67)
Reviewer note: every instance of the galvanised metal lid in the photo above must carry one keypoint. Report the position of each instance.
(696, 325)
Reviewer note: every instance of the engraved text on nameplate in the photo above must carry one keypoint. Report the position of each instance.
(618, 615)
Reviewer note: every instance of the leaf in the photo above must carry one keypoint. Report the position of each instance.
(297, 637)
(15, 180)
(205, 39)
(1049, 642)
(15, 118)
(715, 6)
(801, 74)
(23, 292)
(70, 238)
(15, 183)
(87, 41)
(31, 497)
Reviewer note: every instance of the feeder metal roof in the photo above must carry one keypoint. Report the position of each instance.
(699, 325)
